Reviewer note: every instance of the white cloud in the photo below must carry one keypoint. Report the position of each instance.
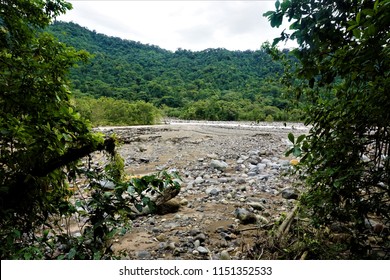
(194, 25)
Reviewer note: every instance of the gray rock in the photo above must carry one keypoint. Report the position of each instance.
(171, 225)
(195, 231)
(256, 205)
(284, 162)
(199, 180)
(240, 180)
(224, 255)
(261, 166)
(212, 156)
(266, 161)
(274, 165)
(196, 243)
(143, 255)
(223, 180)
(289, 194)
(218, 164)
(201, 237)
(213, 190)
(245, 216)
(162, 245)
(202, 250)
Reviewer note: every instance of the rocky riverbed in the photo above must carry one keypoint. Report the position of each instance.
(235, 185)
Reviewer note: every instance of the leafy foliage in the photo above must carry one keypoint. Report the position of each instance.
(42, 142)
(109, 111)
(185, 84)
(345, 66)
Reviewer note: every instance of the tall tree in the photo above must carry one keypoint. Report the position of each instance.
(41, 137)
(345, 65)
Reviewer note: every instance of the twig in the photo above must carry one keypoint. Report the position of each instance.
(285, 226)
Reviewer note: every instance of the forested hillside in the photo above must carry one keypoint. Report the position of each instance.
(214, 84)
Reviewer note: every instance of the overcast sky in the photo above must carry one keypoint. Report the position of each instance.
(191, 25)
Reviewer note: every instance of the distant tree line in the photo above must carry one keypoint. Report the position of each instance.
(214, 84)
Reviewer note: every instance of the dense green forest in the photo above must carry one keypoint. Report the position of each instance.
(213, 84)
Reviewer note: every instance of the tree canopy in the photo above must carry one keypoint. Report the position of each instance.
(42, 137)
(344, 74)
(182, 83)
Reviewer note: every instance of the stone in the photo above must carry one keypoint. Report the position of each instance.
(184, 202)
(194, 231)
(202, 250)
(266, 161)
(244, 216)
(143, 255)
(224, 255)
(162, 245)
(171, 206)
(284, 162)
(212, 191)
(256, 205)
(223, 180)
(240, 180)
(172, 246)
(161, 237)
(289, 193)
(199, 180)
(218, 164)
(212, 156)
(196, 243)
(261, 166)
(262, 219)
(201, 237)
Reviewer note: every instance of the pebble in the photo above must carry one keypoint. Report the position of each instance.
(197, 243)
(201, 237)
(143, 255)
(172, 246)
(244, 216)
(202, 250)
(184, 202)
(289, 194)
(161, 237)
(224, 255)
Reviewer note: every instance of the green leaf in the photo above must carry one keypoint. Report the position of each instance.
(300, 138)
(291, 137)
(276, 19)
(358, 18)
(139, 207)
(71, 254)
(267, 14)
(297, 151)
(277, 4)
